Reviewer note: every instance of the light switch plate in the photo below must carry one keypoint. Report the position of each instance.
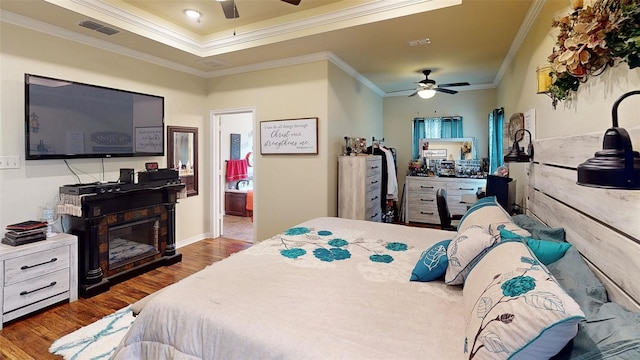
(10, 162)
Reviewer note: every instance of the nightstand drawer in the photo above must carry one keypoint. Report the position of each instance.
(34, 290)
(39, 263)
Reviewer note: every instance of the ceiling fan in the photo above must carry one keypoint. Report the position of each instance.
(427, 88)
(231, 11)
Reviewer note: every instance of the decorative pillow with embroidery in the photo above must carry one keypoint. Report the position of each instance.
(488, 212)
(432, 263)
(514, 308)
(464, 251)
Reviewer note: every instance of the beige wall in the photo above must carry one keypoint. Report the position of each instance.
(24, 191)
(355, 111)
(289, 189)
(399, 111)
(589, 112)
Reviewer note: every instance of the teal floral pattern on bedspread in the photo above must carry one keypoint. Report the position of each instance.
(341, 248)
(328, 248)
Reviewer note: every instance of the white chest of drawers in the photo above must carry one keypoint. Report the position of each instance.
(359, 187)
(421, 196)
(37, 275)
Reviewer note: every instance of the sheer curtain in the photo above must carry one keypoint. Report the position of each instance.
(496, 122)
(435, 128)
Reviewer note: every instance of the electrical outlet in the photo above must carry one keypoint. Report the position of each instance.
(10, 162)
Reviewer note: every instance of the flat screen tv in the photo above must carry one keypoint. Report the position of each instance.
(66, 119)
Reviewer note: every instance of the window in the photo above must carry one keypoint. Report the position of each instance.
(435, 128)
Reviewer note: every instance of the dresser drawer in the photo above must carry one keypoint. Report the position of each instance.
(36, 289)
(372, 208)
(39, 263)
(425, 187)
(373, 183)
(373, 166)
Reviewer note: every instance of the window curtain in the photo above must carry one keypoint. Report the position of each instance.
(435, 128)
(496, 122)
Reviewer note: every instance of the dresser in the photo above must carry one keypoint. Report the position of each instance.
(421, 205)
(359, 187)
(36, 275)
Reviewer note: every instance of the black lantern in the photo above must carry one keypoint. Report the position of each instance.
(516, 154)
(617, 166)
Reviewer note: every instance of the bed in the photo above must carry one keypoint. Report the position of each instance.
(303, 294)
(337, 288)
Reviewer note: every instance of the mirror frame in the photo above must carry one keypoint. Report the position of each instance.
(191, 181)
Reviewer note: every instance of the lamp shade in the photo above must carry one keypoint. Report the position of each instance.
(616, 166)
(426, 93)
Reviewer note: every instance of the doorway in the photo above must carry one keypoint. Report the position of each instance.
(233, 144)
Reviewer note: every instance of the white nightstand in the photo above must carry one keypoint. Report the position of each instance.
(37, 275)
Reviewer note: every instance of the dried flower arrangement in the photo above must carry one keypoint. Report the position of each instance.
(591, 39)
(466, 147)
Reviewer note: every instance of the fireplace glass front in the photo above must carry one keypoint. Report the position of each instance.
(132, 241)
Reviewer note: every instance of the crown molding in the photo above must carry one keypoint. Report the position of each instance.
(525, 26)
(223, 42)
(36, 25)
(29, 23)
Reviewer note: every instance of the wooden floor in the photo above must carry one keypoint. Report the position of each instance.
(30, 337)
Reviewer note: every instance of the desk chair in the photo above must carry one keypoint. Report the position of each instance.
(443, 211)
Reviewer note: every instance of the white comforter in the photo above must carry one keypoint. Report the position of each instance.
(330, 288)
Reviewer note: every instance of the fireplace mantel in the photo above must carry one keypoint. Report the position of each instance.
(101, 213)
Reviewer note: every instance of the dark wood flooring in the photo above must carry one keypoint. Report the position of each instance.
(30, 337)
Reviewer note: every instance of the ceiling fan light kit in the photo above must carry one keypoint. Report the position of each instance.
(427, 93)
(427, 88)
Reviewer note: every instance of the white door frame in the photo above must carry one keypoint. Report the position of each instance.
(217, 171)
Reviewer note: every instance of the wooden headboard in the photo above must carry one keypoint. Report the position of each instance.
(603, 224)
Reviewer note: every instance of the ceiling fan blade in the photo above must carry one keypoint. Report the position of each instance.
(446, 91)
(454, 84)
(229, 8)
(397, 91)
(414, 94)
(293, 2)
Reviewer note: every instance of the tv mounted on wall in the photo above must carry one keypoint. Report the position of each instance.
(67, 119)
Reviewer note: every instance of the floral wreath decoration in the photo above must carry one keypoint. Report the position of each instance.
(591, 39)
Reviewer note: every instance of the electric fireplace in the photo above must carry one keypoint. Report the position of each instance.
(123, 234)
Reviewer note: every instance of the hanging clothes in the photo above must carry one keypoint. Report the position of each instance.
(392, 180)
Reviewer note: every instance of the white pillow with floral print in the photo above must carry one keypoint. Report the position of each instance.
(514, 308)
(464, 250)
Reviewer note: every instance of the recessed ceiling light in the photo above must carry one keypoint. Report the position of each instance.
(193, 13)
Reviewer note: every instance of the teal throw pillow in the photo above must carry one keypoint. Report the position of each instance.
(432, 263)
(545, 250)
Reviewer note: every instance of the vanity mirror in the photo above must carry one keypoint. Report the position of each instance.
(449, 148)
(182, 155)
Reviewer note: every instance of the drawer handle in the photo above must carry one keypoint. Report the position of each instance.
(430, 200)
(464, 189)
(374, 167)
(53, 283)
(25, 267)
(374, 198)
(374, 182)
(374, 216)
(426, 187)
(426, 213)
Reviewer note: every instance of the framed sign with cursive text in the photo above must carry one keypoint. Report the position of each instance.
(295, 136)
